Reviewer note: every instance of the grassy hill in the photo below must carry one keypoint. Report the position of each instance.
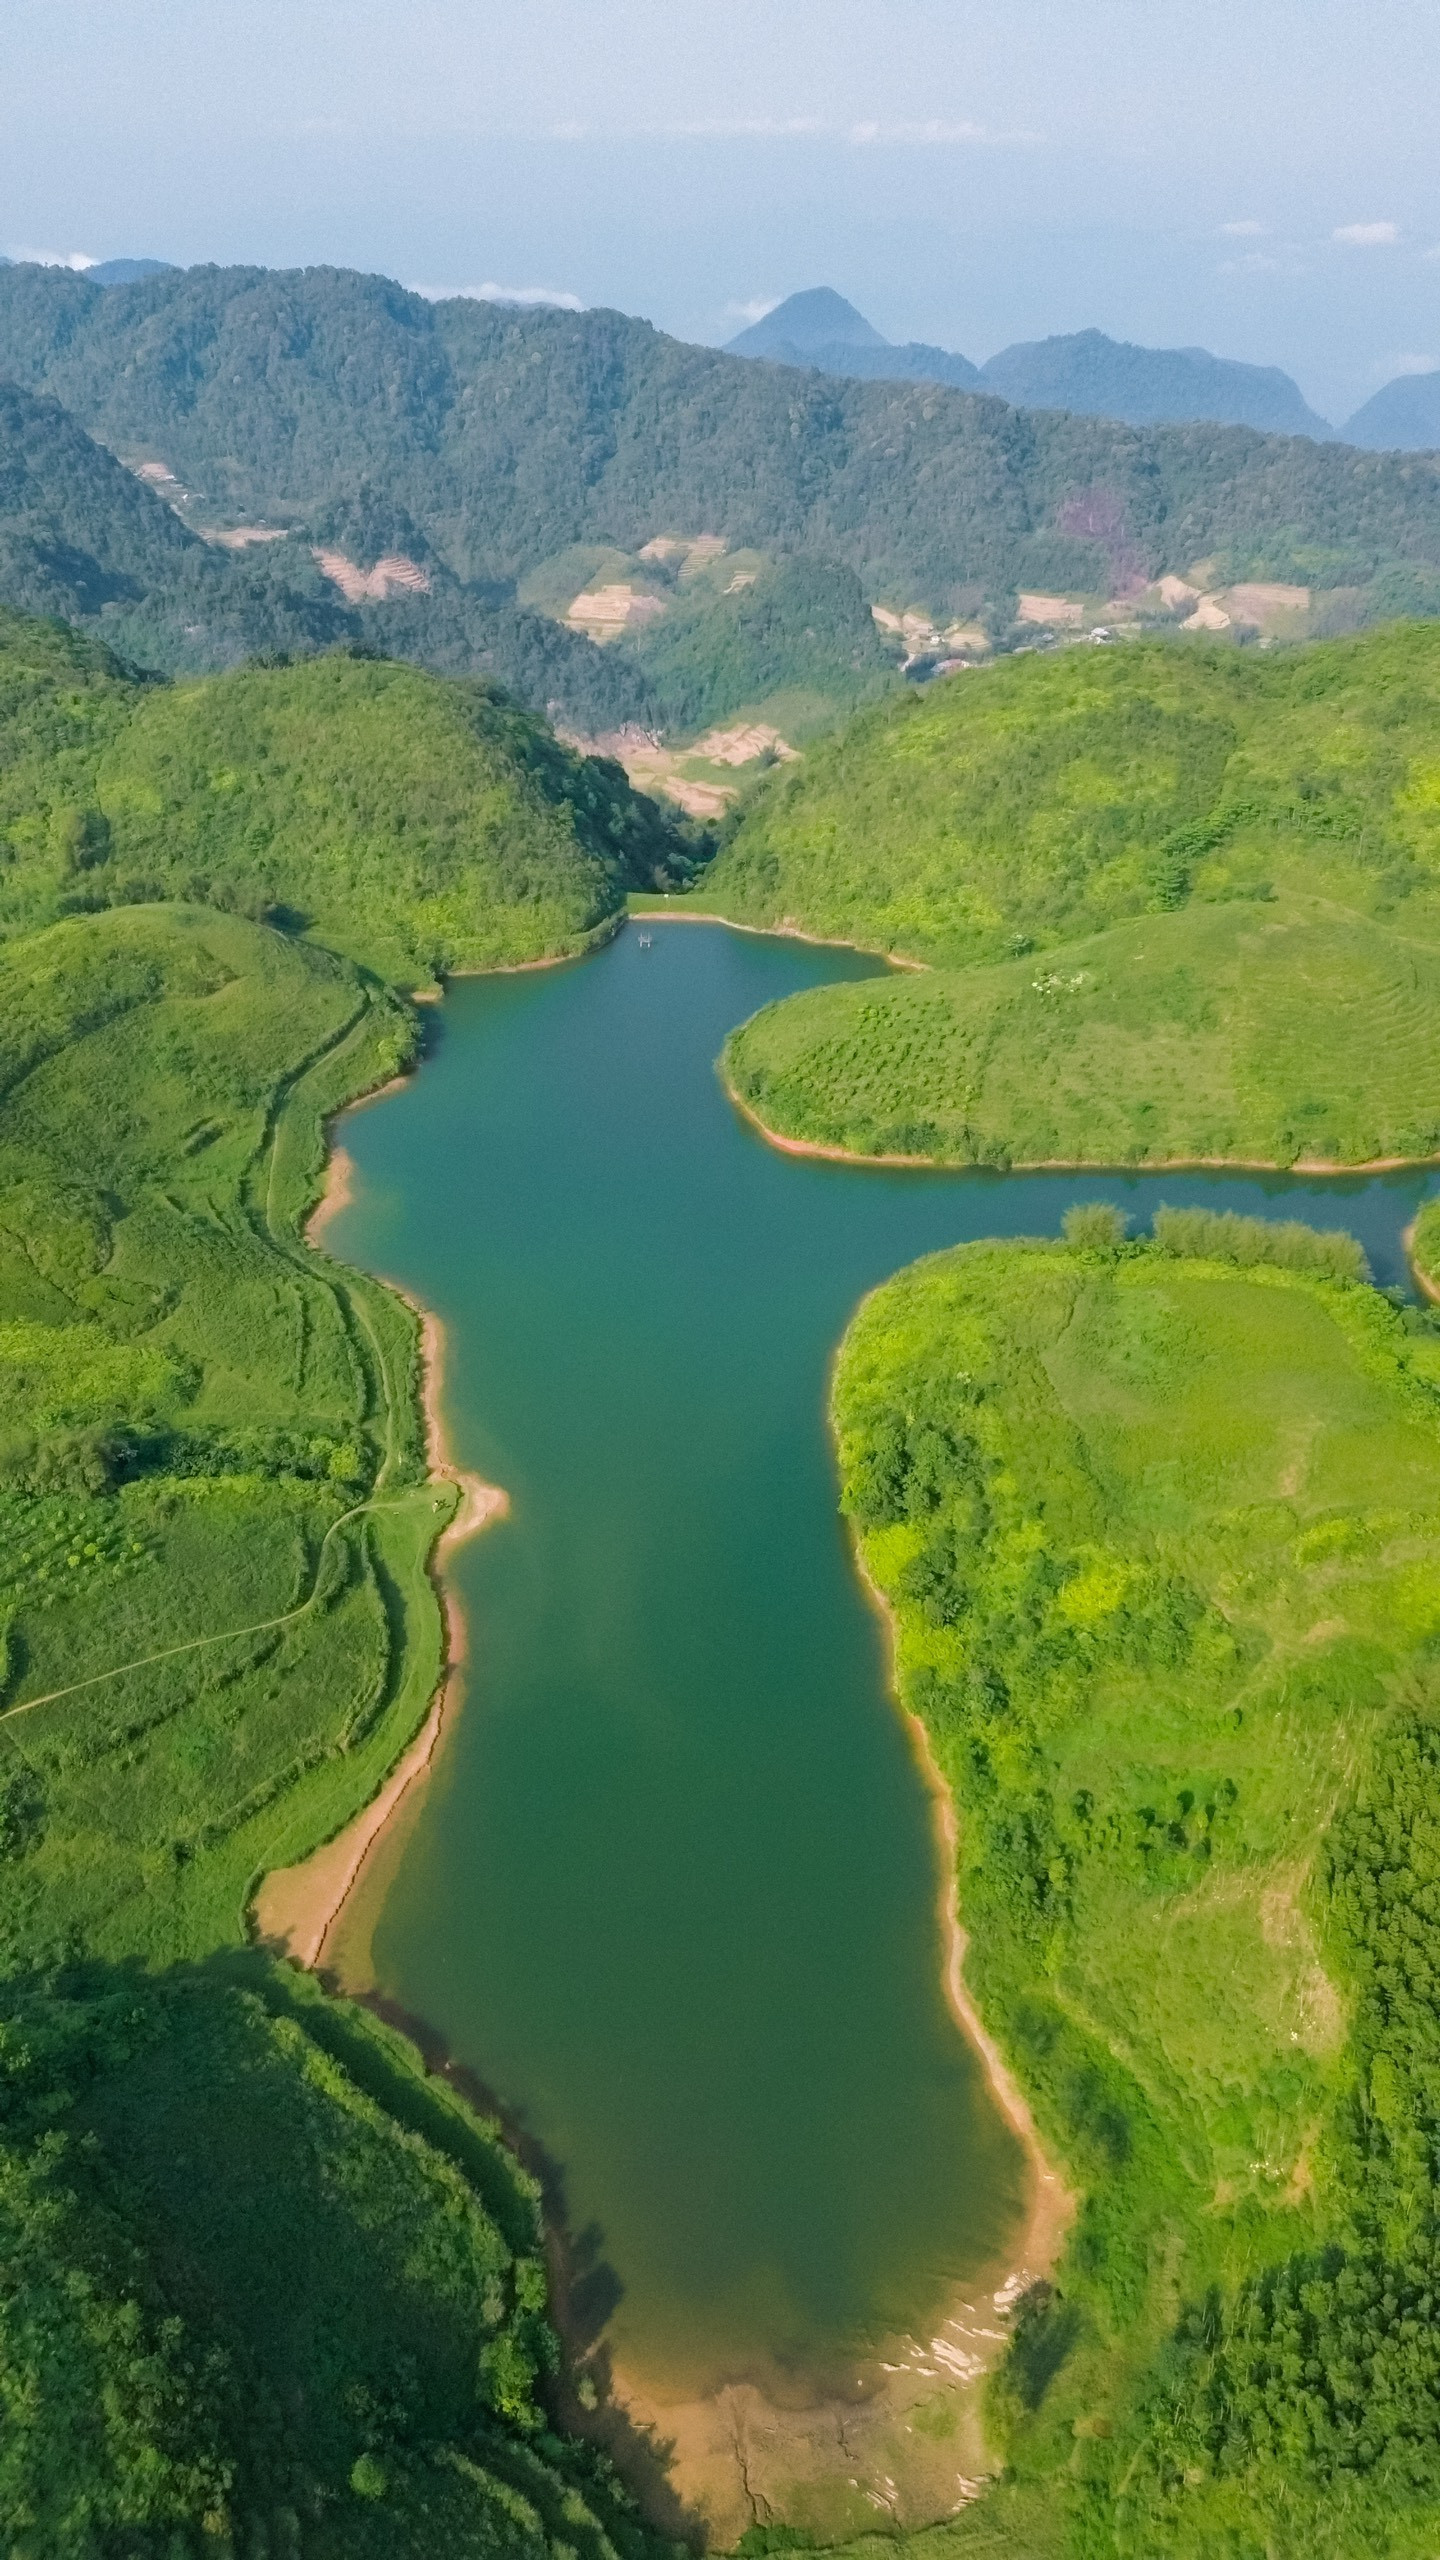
(415, 824)
(1161, 1531)
(1181, 903)
(506, 435)
(269, 2292)
(1050, 797)
(1254, 1033)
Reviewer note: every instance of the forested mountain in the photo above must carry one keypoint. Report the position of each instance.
(1088, 373)
(1403, 418)
(507, 435)
(82, 538)
(1147, 386)
(821, 328)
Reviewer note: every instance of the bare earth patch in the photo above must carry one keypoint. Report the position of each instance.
(1259, 605)
(923, 636)
(1054, 609)
(394, 575)
(237, 537)
(653, 766)
(604, 612)
(1209, 615)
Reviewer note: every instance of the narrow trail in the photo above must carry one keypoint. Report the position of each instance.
(228, 1635)
(305, 1259)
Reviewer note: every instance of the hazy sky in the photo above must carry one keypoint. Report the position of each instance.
(1258, 176)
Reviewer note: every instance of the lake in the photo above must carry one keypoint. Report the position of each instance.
(671, 1894)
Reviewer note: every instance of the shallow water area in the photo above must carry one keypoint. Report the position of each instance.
(671, 1892)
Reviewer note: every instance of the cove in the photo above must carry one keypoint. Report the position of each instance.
(671, 1893)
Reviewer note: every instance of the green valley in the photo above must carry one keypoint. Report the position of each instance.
(1159, 1527)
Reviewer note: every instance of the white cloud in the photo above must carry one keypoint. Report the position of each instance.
(1263, 262)
(738, 129)
(73, 258)
(924, 135)
(750, 312)
(526, 294)
(1242, 230)
(935, 129)
(1392, 366)
(1367, 235)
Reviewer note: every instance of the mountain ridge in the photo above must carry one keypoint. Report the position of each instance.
(1086, 373)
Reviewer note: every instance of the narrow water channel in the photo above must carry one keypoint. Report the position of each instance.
(671, 1894)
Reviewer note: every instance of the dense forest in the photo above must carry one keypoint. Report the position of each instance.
(506, 435)
(415, 823)
(83, 539)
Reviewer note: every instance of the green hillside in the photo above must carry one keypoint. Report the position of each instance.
(1049, 797)
(1254, 1033)
(416, 824)
(508, 434)
(1161, 1535)
(1181, 904)
(266, 2291)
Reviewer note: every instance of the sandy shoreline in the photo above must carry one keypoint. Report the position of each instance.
(643, 916)
(1065, 1164)
(1427, 1287)
(296, 1908)
(1052, 2205)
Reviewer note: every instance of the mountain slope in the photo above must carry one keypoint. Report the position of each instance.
(82, 538)
(1403, 418)
(1148, 386)
(507, 435)
(1185, 906)
(1090, 374)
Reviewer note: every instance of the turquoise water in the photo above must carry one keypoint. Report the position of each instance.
(672, 1895)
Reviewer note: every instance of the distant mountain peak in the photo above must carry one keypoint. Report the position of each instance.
(806, 322)
(128, 270)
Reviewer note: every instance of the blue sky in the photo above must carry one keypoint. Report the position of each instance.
(1259, 176)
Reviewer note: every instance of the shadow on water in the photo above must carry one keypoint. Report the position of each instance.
(585, 2289)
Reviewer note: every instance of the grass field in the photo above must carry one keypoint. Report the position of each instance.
(217, 1633)
(1160, 1527)
(1267, 1033)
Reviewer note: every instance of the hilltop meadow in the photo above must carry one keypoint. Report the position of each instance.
(1176, 905)
(1159, 1526)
